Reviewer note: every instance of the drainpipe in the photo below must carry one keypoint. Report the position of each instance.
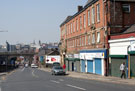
(128, 59)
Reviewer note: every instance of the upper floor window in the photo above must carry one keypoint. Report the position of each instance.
(88, 17)
(88, 39)
(80, 41)
(93, 15)
(80, 22)
(126, 8)
(98, 13)
(84, 21)
(76, 24)
(93, 38)
(98, 37)
(71, 27)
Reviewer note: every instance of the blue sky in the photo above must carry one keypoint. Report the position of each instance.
(28, 20)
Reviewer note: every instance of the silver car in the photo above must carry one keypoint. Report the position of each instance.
(58, 70)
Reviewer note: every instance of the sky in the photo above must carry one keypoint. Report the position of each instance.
(29, 20)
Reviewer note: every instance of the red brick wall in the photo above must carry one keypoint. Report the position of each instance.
(122, 36)
(121, 20)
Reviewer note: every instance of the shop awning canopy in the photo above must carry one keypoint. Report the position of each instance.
(72, 59)
(131, 52)
(117, 56)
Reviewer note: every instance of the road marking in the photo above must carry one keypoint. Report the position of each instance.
(34, 74)
(23, 69)
(0, 89)
(75, 87)
(55, 81)
(61, 80)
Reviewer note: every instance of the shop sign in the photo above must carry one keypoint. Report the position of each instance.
(76, 56)
(82, 55)
(91, 56)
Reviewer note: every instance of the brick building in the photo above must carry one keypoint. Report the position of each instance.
(86, 33)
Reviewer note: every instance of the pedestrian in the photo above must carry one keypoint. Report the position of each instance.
(123, 70)
(64, 66)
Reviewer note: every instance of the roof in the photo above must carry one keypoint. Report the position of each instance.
(55, 52)
(89, 3)
(131, 29)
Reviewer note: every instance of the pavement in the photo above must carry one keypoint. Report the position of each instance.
(96, 77)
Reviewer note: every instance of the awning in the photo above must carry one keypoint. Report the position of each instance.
(117, 56)
(72, 59)
(131, 52)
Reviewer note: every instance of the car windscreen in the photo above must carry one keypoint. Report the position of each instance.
(58, 68)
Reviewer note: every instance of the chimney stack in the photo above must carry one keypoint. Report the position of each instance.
(80, 8)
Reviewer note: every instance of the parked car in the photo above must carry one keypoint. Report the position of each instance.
(56, 64)
(58, 70)
(34, 66)
(26, 65)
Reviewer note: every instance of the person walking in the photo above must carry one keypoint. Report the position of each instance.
(122, 69)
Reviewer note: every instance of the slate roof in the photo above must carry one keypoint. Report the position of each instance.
(131, 29)
(89, 3)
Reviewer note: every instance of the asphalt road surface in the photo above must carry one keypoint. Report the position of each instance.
(32, 79)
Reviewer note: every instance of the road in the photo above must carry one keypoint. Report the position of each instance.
(30, 79)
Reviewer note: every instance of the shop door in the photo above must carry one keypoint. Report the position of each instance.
(115, 66)
(90, 66)
(132, 66)
(98, 68)
(67, 65)
(82, 66)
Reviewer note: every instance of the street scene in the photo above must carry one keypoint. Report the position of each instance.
(67, 45)
(29, 79)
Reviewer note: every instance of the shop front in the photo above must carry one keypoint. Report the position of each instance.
(72, 63)
(93, 61)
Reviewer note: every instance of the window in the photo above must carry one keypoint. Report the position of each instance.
(126, 8)
(88, 17)
(80, 41)
(75, 42)
(80, 22)
(71, 27)
(65, 29)
(93, 15)
(76, 24)
(84, 21)
(88, 39)
(85, 40)
(98, 37)
(93, 38)
(98, 13)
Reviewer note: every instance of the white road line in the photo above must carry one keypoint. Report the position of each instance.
(61, 80)
(54, 81)
(0, 89)
(23, 69)
(75, 87)
(34, 74)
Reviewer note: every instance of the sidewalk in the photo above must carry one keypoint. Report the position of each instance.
(2, 74)
(96, 77)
